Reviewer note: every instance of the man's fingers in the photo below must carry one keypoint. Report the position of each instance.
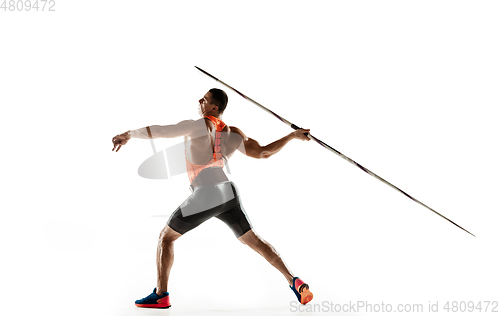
(119, 146)
(116, 142)
(304, 132)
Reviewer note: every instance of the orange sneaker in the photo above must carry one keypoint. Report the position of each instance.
(301, 290)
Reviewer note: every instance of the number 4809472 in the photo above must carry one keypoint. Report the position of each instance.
(28, 5)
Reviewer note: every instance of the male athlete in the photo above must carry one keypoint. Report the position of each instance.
(209, 141)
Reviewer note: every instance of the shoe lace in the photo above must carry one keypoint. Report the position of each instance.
(152, 295)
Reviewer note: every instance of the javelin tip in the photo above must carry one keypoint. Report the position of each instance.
(206, 73)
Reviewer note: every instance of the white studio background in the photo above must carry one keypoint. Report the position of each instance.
(410, 90)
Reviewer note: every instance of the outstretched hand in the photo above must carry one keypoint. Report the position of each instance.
(120, 140)
(300, 134)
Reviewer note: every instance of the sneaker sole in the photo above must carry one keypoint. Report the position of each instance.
(152, 305)
(305, 295)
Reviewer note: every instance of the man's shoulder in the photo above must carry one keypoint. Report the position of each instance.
(186, 122)
(234, 129)
(189, 124)
(192, 128)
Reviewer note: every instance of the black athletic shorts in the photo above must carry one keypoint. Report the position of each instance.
(220, 200)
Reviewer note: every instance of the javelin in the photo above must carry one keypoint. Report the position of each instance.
(332, 149)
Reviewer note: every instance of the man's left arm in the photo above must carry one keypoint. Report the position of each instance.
(276, 146)
(252, 148)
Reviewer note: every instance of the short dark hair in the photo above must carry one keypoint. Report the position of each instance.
(219, 98)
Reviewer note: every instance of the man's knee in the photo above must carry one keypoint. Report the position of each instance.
(168, 235)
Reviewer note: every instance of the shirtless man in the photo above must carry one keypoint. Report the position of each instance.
(209, 142)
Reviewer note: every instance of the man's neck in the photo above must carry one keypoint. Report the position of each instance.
(214, 115)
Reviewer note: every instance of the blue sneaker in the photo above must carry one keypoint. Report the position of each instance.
(154, 300)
